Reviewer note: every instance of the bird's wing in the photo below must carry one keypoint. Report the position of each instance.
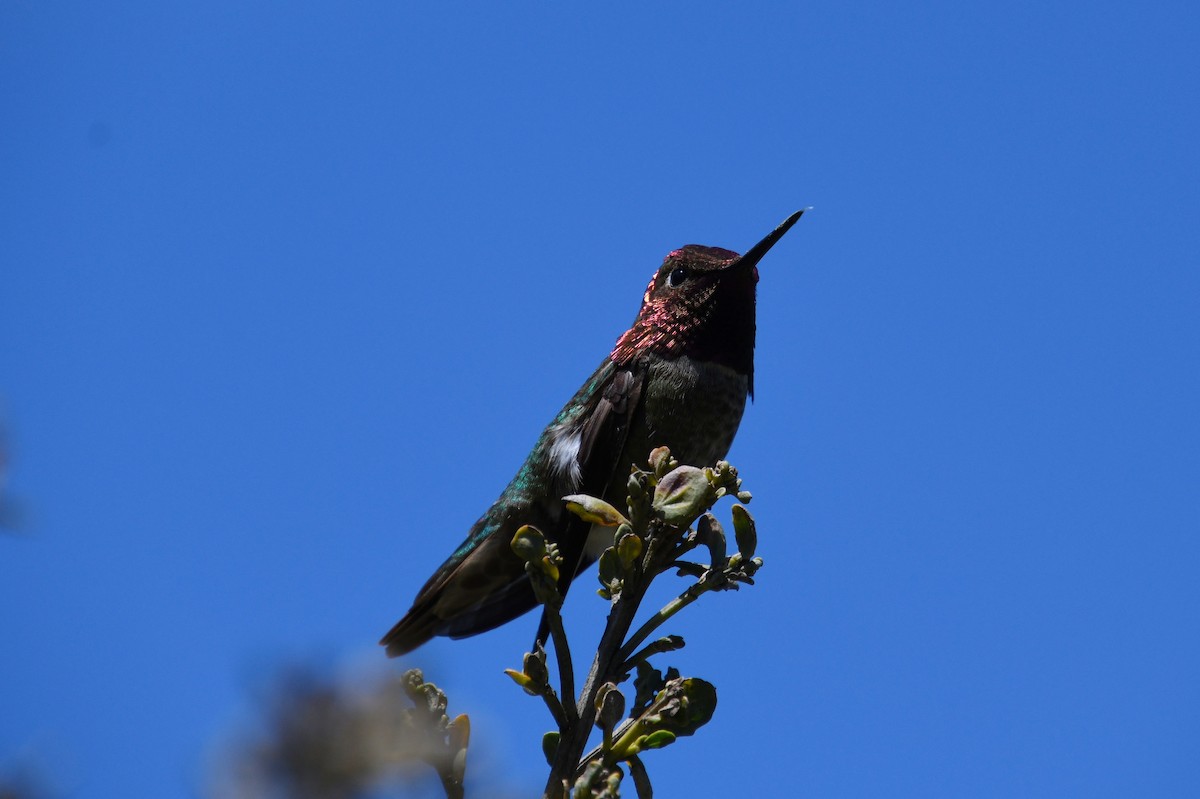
(602, 436)
(483, 584)
(601, 444)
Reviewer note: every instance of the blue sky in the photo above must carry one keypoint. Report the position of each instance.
(288, 291)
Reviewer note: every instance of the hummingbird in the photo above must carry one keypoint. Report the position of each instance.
(679, 377)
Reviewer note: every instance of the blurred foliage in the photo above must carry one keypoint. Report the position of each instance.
(11, 513)
(15, 787)
(25, 778)
(321, 739)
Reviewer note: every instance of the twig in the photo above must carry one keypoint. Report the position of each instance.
(566, 671)
(556, 708)
(689, 595)
(570, 748)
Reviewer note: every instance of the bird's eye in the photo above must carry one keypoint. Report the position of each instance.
(678, 275)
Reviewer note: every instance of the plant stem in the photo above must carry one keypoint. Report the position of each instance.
(641, 780)
(690, 595)
(566, 671)
(575, 738)
(556, 708)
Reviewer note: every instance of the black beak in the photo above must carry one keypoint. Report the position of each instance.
(756, 252)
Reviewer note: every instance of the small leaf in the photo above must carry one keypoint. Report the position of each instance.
(459, 732)
(629, 549)
(610, 706)
(657, 739)
(529, 543)
(697, 708)
(594, 511)
(744, 532)
(712, 535)
(535, 667)
(610, 567)
(668, 643)
(682, 495)
(688, 569)
(659, 458)
(527, 685)
(648, 682)
(634, 487)
(550, 746)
